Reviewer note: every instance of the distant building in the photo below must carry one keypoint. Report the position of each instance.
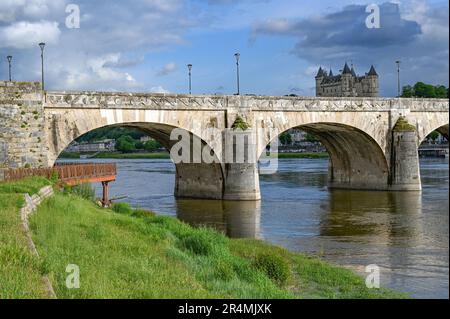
(297, 136)
(347, 84)
(107, 145)
(144, 139)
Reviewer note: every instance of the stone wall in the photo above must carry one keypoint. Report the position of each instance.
(22, 135)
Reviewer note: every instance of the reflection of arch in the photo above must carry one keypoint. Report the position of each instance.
(193, 179)
(356, 159)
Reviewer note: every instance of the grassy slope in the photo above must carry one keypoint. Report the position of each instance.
(20, 271)
(121, 256)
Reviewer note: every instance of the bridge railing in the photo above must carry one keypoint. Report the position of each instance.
(66, 173)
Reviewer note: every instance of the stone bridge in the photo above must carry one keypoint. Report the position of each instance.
(372, 142)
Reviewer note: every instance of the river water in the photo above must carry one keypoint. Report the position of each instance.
(406, 234)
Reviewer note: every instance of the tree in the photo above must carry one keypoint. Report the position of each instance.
(424, 90)
(433, 136)
(139, 145)
(407, 91)
(125, 144)
(285, 138)
(152, 145)
(441, 92)
(310, 138)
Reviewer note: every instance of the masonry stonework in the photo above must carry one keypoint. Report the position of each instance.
(22, 126)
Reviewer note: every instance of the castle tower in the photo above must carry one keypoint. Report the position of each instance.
(373, 88)
(347, 81)
(319, 78)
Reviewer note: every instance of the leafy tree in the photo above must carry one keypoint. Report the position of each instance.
(433, 135)
(152, 145)
(424, 90)
(441, 92)
(139, 145)
(408, 91)
(111, 133)
(310, 138)
(125, 144)
(285, 138)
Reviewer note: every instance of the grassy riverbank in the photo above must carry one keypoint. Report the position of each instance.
(20, 271)
(165, 155)
(125, 253)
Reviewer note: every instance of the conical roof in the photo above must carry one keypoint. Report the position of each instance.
(372, 71)
(346, 69)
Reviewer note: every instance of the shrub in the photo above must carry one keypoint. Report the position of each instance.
(85, 191)
(198, 242)
(240, 123)
(275, 267)
(122, 208)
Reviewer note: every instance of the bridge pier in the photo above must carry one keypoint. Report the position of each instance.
(199, 180)
(241, 182)
(405, 167)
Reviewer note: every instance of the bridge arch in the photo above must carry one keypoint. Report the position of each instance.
(193, 179)
(356, 161)
(442, 129)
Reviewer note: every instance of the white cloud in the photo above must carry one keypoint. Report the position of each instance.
(158, 89)
(24, 35)
(13, 10)
(167, 69)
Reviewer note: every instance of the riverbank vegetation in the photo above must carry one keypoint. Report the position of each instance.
(166, 155)
(132, 253)
(20, 271)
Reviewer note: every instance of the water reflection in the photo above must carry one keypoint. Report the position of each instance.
(234, 219)
(386, 216)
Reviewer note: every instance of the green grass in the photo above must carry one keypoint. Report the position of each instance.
(132, 253)
(126, 255)
(20, 271)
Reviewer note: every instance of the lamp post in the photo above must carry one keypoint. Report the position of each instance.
(9, 57)
(42, 46)
(398, 78)
(237, 55)
(190, 77)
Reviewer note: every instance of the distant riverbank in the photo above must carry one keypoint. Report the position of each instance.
(166, 155)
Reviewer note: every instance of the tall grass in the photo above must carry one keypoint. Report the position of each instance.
(124, 254)
(20, 271)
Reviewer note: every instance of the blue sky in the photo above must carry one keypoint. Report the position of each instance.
(145, 45)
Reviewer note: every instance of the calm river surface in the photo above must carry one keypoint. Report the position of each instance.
(405, 234)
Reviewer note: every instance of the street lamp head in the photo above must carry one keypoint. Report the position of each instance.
(42, 45)
(189, 67)
(237, 55)
(9, 57)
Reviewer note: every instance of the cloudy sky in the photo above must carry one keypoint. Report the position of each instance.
(145, 45)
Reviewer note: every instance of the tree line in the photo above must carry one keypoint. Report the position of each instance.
(127, 139)
(424, 90)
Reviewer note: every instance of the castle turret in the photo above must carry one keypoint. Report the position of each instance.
(347, 81)
(372, 77)
(319, 78)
